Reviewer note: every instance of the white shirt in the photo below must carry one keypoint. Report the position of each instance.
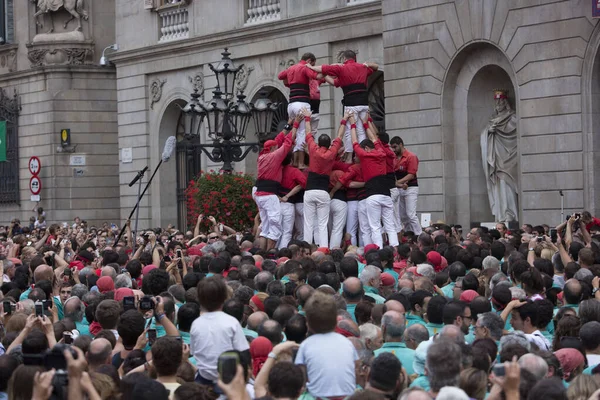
(211, 335)
(540, 341)
(593, 359)
(329, 359)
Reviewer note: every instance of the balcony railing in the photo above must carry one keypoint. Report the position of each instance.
(353, 2)
(174, 22)
(261, 11)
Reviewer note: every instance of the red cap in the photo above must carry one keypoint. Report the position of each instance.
(468, 295)
(105, 284)
(258, 302)
(78, 264)
(282, 260)
(194, 251)
(435, 259)
(123, 292)
(370, 247)
(323, 250)
(269, 144)
(413, 270)
(146, 270)
(387, 279)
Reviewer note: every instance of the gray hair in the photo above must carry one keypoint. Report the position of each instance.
(369, 331)
(453, 333)
(85, 272)
(426, 270)
(79, 290)
(90, 297)
(208, 249)
(451, 393)
(28, 306)
(392, 329)
(493, 322)
(515, 337)
(261, 280)
(109, 271)
(518, 293)
(416, 332)
(365, 356)
(406, 394)
(582, 274)
(123, 281)
(218, 246)
(406, 291)
(496, 279)
(369, 273)
(534, 364)
(443, 364)
(77, 314)
(490, 262)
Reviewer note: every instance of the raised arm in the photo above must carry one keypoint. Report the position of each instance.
(371, 65)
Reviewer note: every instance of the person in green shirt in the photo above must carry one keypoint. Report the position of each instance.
(371, 280)
(418, 306)
(456, 270)
(393, 325)
(435, 315)
(352, 292)
(75, 310)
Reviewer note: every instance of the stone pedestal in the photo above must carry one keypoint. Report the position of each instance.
(67, 48)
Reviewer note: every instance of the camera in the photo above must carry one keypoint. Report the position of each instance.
(227, 366)
(39, 309)
(129, 303)
(151, 336)
(540, 239)
(147, 303)
(9, 307)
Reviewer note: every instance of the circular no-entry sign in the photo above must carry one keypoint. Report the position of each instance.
(35, 165)
(35, 185)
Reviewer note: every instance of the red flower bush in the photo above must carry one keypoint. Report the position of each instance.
(226, 197)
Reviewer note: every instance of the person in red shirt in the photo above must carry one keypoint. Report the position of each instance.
(268, 180)
(379, 202)
(352, 77)
(292, 182)
(408, 186)
(316, 196)
(298, 78)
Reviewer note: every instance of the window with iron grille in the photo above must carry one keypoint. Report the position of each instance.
(7, 32)
(9, 170)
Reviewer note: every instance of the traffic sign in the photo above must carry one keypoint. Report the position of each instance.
(35, 185)
(35, 165)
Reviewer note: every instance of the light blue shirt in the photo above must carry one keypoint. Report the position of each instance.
(414, 319)
(329, 359)
(403, 353)
(350, 308)
(374, 294)
(423, 382)
(448, 290)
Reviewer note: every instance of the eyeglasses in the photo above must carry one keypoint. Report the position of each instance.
(467, 317)
(212, 237)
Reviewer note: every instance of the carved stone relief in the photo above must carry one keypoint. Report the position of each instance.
(197, 82)
(241, 80)
(156, 91)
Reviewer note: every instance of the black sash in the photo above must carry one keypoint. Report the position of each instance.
(378, 185)
(412, 183)
(314, 106)
(340, 195)
(317, 182)
(299, 92)
(355, 94)
(265, 185)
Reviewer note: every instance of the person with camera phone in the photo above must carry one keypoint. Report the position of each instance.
(42, 322)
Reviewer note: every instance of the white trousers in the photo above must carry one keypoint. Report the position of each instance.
(316, 211)
(314, 123)
(363, 222)
(395, 194)
(270, 216)
(408, 209)
(359, 112)
(380, 208)
(352, 222)
(293, 110)
(299, 221)
(338, 215)
(288, 212)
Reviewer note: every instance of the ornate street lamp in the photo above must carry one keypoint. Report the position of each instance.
(226, 118)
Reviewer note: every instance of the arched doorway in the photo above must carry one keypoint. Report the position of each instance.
(468, 104)
(280, 118)
(168, 171)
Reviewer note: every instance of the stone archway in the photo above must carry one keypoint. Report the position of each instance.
(468, 103)
(590, 100)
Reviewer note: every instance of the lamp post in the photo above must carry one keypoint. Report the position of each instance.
(226, 118)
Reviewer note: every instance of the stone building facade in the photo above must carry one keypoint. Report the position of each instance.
(52, 81)
(440, 62)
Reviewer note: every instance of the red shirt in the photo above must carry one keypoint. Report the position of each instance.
(390, 156)
(321, 158)
(269, 164)
(595, 221)
(408, 163)
(292, 177)
(280, 138)
(354, 174)
(315, 91)
(373, 162)
(335, 176)
(348, 73)
(342, 166)
(297, 73)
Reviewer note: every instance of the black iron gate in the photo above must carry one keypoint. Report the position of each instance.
(9, 170)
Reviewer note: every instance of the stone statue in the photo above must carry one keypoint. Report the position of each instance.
(500, 160)
(74, 7)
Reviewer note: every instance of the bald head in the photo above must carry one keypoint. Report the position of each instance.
(99, 353)
(452, 332)
(394, 305)
(109, 271)
(352, 290)
(417, 394)
(43, 272)
(406, 283)
(393, 325)
(255, 319)
(572, 291)
(303, 293)
(72, 304)
(414, 335)
(350, 326)
(534, 364)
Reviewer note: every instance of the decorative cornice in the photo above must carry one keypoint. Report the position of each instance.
(244, 35)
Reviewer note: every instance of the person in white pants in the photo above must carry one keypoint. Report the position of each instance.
(353, 182)
(316, 196)
(292, 182)
(338, 213)
(408, 186)
(297, 78)
(378, 203)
